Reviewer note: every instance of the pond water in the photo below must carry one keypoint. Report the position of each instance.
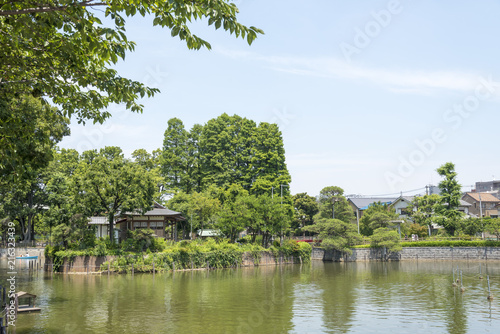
(365, 297)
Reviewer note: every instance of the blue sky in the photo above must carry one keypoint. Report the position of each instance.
(371, 96)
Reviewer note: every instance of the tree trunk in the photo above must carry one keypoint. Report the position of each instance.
(111, 231)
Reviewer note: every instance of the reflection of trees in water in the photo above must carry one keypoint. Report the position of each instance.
(387, 291)
(456, 315)
(333, 297)
(249, 300)
(339, 296)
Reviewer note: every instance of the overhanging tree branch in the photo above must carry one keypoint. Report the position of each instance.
(47, 8)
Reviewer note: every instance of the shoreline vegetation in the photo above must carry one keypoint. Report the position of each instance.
(209, 254)
(184, 255)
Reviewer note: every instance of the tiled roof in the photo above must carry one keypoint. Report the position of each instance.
(485, 197)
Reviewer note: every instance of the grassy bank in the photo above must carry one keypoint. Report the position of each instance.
(182, 255)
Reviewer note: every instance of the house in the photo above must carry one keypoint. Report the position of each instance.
(492, 187)
(359, 204)
(402, 203)
(484, 204)
(156, 219)
(101, 225)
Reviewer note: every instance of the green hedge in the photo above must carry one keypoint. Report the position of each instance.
(446, 243)
(452, 243)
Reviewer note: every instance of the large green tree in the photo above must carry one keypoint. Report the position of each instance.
(226, 145)
(107, 183)
(335, 234)
(422, 209)
(378, 215)
(305, 208)
(174, 158)
(493, 227)
(333, 204)
(226, 150)
(447, 209)
(235, 215)
(23, 163)
(65, 219)
(62, 50)
(43, 126)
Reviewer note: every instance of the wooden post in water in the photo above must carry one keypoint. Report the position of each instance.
(490, 296)
(132, 268)
(153, 267)
(16, 305)
(208, 265)
(173, 266)
(108, 268)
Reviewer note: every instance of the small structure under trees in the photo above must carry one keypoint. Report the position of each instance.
(157, 219)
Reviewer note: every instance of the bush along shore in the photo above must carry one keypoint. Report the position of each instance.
(160, 256)
(443, 243)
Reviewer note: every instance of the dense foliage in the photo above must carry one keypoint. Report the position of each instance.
(182, 255)
(378, 215)
(227, 150)
(62, 50)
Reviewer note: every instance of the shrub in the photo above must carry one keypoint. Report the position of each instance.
(384, 237)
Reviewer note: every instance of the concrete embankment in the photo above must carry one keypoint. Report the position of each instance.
(409, 253)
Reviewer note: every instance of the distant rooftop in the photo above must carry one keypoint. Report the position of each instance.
(363, 203)
(158, 210)
(485, 197)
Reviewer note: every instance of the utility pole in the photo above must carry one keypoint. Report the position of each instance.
(481, 212)
(281, 233)
(281, 186)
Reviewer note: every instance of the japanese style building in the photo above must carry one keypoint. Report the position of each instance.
(159, 219)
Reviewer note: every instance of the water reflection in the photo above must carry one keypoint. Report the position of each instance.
(375, 297)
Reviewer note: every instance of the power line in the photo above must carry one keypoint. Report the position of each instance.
(386, 195)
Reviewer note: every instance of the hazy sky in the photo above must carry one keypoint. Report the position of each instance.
(371, 96)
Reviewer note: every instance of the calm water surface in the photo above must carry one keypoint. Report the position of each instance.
(406, 297)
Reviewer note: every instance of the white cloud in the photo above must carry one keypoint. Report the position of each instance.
(401, 81)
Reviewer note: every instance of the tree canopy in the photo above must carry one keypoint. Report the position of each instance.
(42, 125)
(378, 215)
(107, 183)
(335, 234)
(226, 150)
(333, 204)
(450, 217)
(62, 50)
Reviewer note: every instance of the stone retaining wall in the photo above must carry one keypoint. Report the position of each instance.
(91, 264)
(80, 264)
(410, 253)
